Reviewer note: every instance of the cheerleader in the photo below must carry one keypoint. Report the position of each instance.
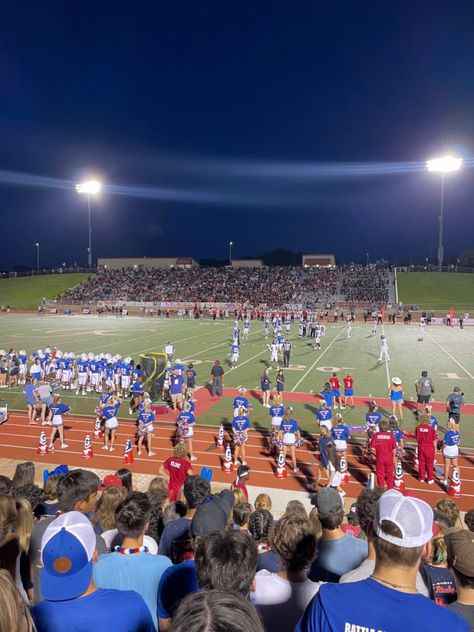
(450, 450)
(109, 413)
(397, 435)
(145, 420)
(57, 410)
(280, 384)
(324, 415)
(433, 420)
(396, 396)
(328, 395)
(290, 436)
(276, 413)
(240, 427)
(265, 385)
(340, 433)
(241, 402)
(185, 429)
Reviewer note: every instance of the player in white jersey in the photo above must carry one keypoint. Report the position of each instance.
(383, 350)
(287, 324)
(349, 326)
(266, 326)
(169, 350)
(273, 348)
(234, 354)
(374, 323)
(246, 327)
(421, 329)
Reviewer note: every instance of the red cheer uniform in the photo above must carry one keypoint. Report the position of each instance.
(426, 437)
(384, 445)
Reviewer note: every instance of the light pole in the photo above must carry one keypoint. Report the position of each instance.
(443, 165)
(37, 258)
(91, 187)
(231, 243)
(367, 254)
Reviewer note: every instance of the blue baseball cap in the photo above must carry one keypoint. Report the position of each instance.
(67, 549)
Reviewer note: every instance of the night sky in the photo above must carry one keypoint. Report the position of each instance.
(243, 121)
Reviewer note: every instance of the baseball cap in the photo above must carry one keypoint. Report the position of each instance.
(67, 548)
(460, 550)
(110, 481)
(411, 515)
(396, 380)
(327, 501)
(352, 511)
(209, 517)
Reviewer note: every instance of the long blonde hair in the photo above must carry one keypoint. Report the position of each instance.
(104, 512)
(24, 523)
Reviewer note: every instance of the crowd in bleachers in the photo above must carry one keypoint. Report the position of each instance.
(365, 284)
(82, 554)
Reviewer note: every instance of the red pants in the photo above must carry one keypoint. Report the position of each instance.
(384, 471)
(426, 455)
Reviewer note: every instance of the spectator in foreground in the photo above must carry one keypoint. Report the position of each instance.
(227, 562)
(260, 526)
(281, 598)
(215, 611)
(388, 600)
(71, 599)
(469, 520)
(131, 566)
(352, 527)
(460, 554)
(448, 510)
(434, 569)
(13, 614)
(338, 553)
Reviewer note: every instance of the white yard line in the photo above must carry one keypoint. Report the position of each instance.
(451, 356)
(315, 363)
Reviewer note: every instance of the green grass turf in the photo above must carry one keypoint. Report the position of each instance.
(437, 290)
(26, 292)
(446, 352)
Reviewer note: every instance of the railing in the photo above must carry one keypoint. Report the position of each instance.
(44, 271)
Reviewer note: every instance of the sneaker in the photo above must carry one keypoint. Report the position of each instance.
(431, 482)
(151, 453)
(105, 447)
(139, 452)
(64, 445)
(343, 408)
(296, 469)
(236, 463)
(244, 462)
(111, 449)
(130, 411)
(444, 482)
(342, 494)
(194, 458)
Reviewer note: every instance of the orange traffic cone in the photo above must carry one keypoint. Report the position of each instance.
(128, 453)
(97, 429)
(227, 465)
(343, 470)
(454, 485)
(42, 449)
(280, 471)
(87, 452)
(220, 437)
(399, 482)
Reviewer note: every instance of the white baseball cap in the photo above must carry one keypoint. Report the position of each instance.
(396, 380)
(411, 515)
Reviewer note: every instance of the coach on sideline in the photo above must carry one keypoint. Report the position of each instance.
(217, 379)
(424, 389)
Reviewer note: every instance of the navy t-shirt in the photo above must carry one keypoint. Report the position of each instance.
(101, 611)
(175, 583)
(268, 561)
(368, 605)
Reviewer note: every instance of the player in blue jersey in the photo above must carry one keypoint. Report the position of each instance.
(240, 427)
(57, 410)
(328, 395)
(234, 354)
(324, 415)
(289, 434)
(22, 357)
(125, 376)
(397, 432)
(136, 391)
(66, 363)
(450, 449)
(145, 420)
(109, 413)
(82, 374)
(185, 429)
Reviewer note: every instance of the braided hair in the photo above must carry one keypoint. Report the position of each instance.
(260, 524)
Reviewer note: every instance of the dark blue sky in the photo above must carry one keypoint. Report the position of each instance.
(206, 102)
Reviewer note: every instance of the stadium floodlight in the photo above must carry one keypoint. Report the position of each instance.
(231, 243)
(37, 258)
(90, 187)
(443, 165)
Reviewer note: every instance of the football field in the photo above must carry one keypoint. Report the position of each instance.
(447, 353)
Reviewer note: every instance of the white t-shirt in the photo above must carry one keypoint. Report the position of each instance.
(280, 602)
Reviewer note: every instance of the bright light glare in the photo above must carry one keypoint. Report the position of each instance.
(92, 187)
(444, 164)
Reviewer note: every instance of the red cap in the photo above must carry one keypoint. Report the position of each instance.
(110, 481)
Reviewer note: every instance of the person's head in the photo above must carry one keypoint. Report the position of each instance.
(131, 515)
(196, 490)
(215, 611)
(437, 554)
(13, 614)
(67, 554)
(260, 524)
(333, 456)
(450, 510)
(111, 480)
(104, 511)
(173, 511)
(366, 507)
(323, 431)
(396, 381)
(241, 514)
(32, 493)
(56, 399)
(77, 491)
(423, 419)
(424, 374)
(456, 389)
(50, 490)
(8, 515)
(155, 522)
(403, 526)
(296, 508)
(460, 556)
(451, 425)
(263, 501)
(294, 540)
(180, 451)
(334, 374)
(322, 402)
(352, 517)
(469, 519)
(384, 425)
(24, 523)
(190, 365)
(373, 406)
(277, 400)
(315, 523)
(330, 509)
(226, 561)
(239, 496)
(24, 474)
(5, 484)
(392, 423)
(158, 483)
(243, 473)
